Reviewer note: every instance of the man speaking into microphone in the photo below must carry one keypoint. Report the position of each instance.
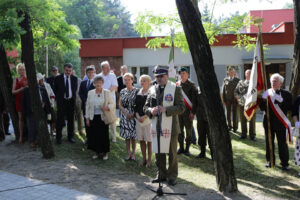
(163, 105)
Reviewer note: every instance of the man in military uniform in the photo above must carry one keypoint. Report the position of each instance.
(202, 127)
(240, 93)
(189, 92)
(229, 85)
(152, 109)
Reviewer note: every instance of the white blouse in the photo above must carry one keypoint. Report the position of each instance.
(98, 102)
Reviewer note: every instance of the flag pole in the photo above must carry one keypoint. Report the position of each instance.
(264, 73)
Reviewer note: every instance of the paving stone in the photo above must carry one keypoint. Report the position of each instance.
(14, 187)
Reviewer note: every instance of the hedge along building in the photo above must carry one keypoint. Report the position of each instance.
(141, 60)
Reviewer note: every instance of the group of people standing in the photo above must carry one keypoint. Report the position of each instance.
(234, 92)
(159, 109)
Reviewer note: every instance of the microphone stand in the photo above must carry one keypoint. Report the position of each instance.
(159, 192)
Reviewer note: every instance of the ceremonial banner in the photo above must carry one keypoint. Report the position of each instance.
(165, 121)
(255, 83)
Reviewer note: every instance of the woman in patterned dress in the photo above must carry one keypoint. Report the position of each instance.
(127, 121)
(17, 89)
(295, 114)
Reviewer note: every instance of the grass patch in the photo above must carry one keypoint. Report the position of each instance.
(249, 160)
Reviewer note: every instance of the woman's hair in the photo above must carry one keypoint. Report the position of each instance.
(20, 66)
(97, 79)
(146, 77)
(129, 74)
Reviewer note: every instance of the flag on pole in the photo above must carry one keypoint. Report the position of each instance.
(172, 71)
(255, 84)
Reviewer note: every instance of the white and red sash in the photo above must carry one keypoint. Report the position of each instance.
(280, 115)
(186, 99)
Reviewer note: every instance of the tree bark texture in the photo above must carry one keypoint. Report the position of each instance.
(5, 89)
(27, 57)
(295, 80)
(207, 79)
(2, 131)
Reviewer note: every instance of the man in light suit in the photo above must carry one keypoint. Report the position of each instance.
(65, 86)
(84, 88)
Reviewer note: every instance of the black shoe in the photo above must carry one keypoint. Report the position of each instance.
(7, 133)
(201, 155)
(172, 182)
(242, 137)
(285, 168)
(58, 141)
(253, 139)
(71, 140)
(157, 180)
(187, 153)
(180, 151)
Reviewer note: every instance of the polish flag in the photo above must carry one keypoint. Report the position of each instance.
(255, 84)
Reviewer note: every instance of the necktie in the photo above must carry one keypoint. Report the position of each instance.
(67, 87)
(88, 84)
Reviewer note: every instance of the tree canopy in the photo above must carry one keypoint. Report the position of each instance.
(147, 23)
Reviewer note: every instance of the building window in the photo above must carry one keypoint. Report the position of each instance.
(144, 70)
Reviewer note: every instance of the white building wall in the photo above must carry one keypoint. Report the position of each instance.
(223, 56)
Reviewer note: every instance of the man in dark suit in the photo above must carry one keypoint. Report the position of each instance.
(283, 99)
(84, 88)
(121, 84)
(50, 80)
(65, 86)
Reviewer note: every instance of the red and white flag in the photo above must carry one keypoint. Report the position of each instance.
(255, 84)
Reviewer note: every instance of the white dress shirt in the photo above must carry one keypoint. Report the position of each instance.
(110, 80)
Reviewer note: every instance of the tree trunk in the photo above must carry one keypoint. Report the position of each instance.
(203, 63)
(6, 87)
(295, 80)
(28, 58)
(2, 131)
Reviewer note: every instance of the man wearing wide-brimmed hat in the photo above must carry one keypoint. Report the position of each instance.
(163, 105)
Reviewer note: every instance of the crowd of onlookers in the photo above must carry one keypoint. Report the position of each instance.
(92, 102)
(279, 102)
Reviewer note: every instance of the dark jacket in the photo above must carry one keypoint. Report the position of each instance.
(175, 110)
(201, 114)
(26, 103)
(50, 80)
(83, 92)
(120, 83)
(60, 88)
(285, 105)
(295, 111)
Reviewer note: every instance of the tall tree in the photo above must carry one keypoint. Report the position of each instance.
(295, 80)
(203, 63)
(5, 89)
(28, 59)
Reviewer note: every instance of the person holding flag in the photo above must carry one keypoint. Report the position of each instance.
(240, 93)
(280, 102)
(189, 92)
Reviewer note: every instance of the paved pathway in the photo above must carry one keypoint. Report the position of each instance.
(14, 187)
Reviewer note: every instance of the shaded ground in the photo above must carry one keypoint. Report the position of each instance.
(116, 179)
